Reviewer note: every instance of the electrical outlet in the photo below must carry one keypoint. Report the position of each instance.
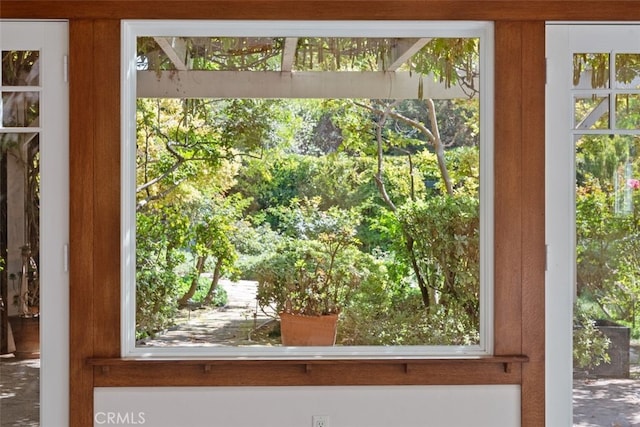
(320, 421)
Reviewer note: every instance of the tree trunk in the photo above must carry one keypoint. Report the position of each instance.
(422, 284)
(409, 240)
(217, 271)
(184, 300)
(438, 147)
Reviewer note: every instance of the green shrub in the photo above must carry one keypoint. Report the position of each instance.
(317, 265)
(385, 311)
(590, 345)
(160, 235)
(446, 235)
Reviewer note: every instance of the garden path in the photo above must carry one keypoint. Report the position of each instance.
(232, 324)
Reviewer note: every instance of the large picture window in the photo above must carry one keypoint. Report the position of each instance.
(278, 173)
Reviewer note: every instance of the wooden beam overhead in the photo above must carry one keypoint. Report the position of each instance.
(508, 10)
(402, 51)
(176, 50)
(274, 84)
(289, 53)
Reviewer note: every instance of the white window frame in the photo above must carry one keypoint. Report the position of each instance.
(132, 29)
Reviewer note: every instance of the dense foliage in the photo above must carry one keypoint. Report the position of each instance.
(608, 228)
(317, 264)
(364, 225)
(365, 207)
(607, 205)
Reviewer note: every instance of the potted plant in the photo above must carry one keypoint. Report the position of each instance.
(307, 280)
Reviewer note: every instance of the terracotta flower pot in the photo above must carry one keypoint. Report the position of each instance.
(26, 335)
(300, 330)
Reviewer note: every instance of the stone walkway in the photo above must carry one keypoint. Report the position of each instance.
(230, 325)
(19, 392)
(607, 402)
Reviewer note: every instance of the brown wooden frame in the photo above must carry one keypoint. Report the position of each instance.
(94, 72)
(488, 10)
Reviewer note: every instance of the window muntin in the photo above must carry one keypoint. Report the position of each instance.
(336, 33)
(600, 106)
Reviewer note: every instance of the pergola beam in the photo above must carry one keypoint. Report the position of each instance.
(594, 115)
(176, 50)
(274, 84)
(289, 53)
(403, 50)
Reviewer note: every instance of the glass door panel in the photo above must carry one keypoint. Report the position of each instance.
(20, 109)
(628, 71)
(591, 111)
(627, 111)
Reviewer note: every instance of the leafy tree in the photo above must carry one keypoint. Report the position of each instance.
(189, 141)
(387, 139)
(447, 253)
(608, 226)
(212, 237)
(158, 253)
(188, 154)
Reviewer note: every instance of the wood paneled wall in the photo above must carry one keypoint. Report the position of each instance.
(94, 70)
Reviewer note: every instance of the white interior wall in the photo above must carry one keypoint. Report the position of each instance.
(362, 406)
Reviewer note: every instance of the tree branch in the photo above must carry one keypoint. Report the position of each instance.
(433, 136)
(379, 175)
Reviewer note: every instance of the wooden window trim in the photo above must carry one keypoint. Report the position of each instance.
(481, 30)
(519, 207)
(95, 277)
(450, 371)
